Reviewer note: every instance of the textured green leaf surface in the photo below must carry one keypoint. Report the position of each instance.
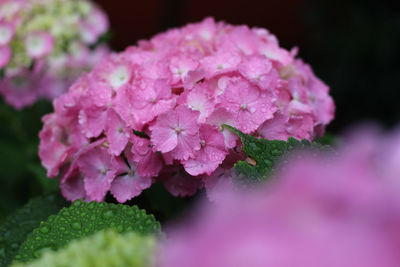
(83, 219)
(103, 249)
(263, 155)
(18, 225)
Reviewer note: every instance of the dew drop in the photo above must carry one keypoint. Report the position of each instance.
(108, 214)
(76, 225)
(44, 229)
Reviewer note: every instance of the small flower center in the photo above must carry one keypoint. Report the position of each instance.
(103, 171)
(178, 130)
(203, 143)
(153, 100)
(243, 107)
(220, 66)
(131, 172)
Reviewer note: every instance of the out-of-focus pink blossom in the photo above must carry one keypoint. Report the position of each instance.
(50, 51)
(39, 44)
(333, 210)
(162, 104)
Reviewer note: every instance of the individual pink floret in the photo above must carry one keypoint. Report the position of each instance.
(149, 163)
(177, 132)
(198, 99)
(28, 86)
(128, 183)
(117, 132)
(211, 153)
(99, 170)
(152, 99)
(7, 31)
(39, 44)
(249, 105)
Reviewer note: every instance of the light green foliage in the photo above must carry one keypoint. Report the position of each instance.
(263, 155)
(18, 225)
(83, 219)
(103, 249)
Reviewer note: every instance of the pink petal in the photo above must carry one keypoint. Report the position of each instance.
(125, 187)
(5, 55)
(181, 184)
(98, 171)
(117, 133)
(6, 33)
(39, 44)
(73, 187)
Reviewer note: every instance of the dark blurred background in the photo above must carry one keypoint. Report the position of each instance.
(352, 45)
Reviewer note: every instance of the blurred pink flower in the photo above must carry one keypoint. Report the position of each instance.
(332, 210)
(49, 60)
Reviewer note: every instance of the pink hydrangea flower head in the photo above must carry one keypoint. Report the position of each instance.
(158, 110)
(56, 45)
(336, 210)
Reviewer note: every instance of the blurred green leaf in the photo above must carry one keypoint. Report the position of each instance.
(15, 229)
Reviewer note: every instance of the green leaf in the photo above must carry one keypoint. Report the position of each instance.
(82, 219)
(18, 225)
(103, 249)
(263, 155)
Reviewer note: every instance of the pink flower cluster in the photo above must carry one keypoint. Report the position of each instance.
(41, 54)
(178, 88)
(341, 211)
